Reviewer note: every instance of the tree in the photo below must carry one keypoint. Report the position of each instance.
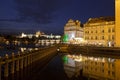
(65, 38)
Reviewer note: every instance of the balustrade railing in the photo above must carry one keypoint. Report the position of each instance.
(9, 64)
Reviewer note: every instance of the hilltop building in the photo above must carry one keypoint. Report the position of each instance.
(42, 38)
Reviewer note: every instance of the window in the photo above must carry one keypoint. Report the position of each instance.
(85, 38)
(113, 73)
(102, 31)
(103, 37)
(91, 38)
(112, 37)
(102, 64)
(108, 72)
(96, 31)
(113, 30)
(109, 37)
(91, 68)
(109, 65)
(88, 38)
(109, 30)
(95, 63)
(95, 69)
(103, 70)
(113, 65)
(96, 37)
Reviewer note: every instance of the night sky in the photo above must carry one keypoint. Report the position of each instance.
(49, 16)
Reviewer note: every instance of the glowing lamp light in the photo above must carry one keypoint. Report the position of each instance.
(65, 38)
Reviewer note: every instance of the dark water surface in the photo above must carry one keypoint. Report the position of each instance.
(53, 70)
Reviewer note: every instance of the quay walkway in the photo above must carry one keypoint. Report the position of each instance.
(52, 71)
(94, 50)
(25, 65)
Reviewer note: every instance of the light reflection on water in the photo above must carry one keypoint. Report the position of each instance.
(12, 48)
(100, 68)
(72, 65)
(20, 49)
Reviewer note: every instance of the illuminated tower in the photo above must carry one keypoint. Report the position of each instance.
(117, 23)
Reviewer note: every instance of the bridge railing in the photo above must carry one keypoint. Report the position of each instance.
(16, 62)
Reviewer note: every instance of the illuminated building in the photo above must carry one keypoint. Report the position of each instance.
(101, 68)
(117, 26)
(42, 38)
(100, 31)
(73, 29)
(38, 34)
(23, 35)
(72, 65)
(2, 39)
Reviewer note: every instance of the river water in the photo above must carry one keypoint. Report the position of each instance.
(9, 49)
(76, 67)
(61, 68)
(82, 67)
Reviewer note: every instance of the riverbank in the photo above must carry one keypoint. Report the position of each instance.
(94, 51)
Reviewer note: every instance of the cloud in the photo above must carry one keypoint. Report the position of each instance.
(10, 20)
(41, 11)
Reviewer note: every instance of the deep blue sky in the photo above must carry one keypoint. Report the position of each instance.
(49, 16)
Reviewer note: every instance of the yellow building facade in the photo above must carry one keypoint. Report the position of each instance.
(100, 31)
(73, 29)
(117, 26)
(101, 68)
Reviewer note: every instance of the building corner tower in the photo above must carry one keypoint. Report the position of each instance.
(117, 23)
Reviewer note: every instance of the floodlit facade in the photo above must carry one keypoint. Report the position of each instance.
(2, 39)
(100, 31)
(117, 26)
(101, 68)
(73, 29)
